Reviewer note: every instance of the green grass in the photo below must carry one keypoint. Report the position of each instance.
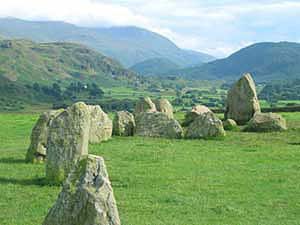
(247, 178)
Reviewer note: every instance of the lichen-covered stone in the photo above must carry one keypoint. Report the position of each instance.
(242, 102)
(164, 106)
(101, 125)
(144, 105)
(205, 125)
(230, 124)
(67, 141)
(38, 146)
(123, 124)
(86, 198)
(194, 113)
(157, 124)
(266, 122)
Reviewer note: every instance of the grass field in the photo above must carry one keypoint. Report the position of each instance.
(245, 179)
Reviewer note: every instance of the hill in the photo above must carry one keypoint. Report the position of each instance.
(265, 61)
(28, 62)
(129, 45)
(155, 67)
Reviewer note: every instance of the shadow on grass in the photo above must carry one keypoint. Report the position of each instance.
(11, 160)
(24, 182)
(294, 143)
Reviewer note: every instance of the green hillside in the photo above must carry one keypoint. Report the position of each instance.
(129, 45)
(266, 61)
(155, 67)
(28, 62)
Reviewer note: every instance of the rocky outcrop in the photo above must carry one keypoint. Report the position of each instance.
(67, 141)
(123, 124)
(144, 105)
(205, 125)
(230, 124)
(266, 122)
(157, 124)
(38, 146)
(194, 113)
(164, 106)
(242, 102)
(101, 125)
(86, 198)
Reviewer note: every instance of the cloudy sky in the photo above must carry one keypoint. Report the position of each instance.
(218, 27)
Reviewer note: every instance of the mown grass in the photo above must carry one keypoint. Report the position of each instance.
(246, 178)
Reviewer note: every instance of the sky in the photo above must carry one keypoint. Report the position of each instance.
(217, 27)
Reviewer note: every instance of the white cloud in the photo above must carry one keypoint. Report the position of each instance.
(218, 27)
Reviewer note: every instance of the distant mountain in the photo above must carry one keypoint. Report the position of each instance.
(265, 61)
(27, 62)
(155, 67)
(129, 45)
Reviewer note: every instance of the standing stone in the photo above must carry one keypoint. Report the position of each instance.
(144, 105)
(157, 124)
(101, 125)
(266, 122)
(205, 125)
(86, 198)
(36, 152)
(230, 124)
(194, 113)
(67, 142)
(123, 124)
(242, 101)
(164, 106)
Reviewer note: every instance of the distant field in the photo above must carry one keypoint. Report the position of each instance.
(244, 179)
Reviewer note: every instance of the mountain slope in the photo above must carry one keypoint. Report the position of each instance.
(129, 45)
(265, 61)
(27, 62)
(155, 67)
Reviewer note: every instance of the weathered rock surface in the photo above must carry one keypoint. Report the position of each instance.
(123, 124)
(38, 145)
(205, 125)
(157, 124)
(242, 101)
(230, 124)
(67, 141)
(144, 105)
(194, 113)
(86, 198)
(101, 125)
(266, 122)
(164, 106)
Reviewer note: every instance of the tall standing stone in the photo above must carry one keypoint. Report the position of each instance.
(242, 101)
(123, 124)
(86, 198)
(164, 106)
(145, 105)
(38, 140)
(101, 125)
(67, 142)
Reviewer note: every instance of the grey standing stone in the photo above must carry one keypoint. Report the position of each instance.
(242, 101)
(194, 113)
(266, 122)
(144, 105)
(36, 152)
(86, 198)
(164, 106)
(123, 124)
(157, 124)
(206, 125)
(67, 141)
(101, 125)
